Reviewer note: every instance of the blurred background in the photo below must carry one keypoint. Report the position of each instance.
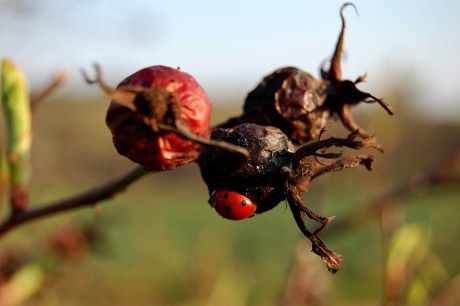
(159, 243)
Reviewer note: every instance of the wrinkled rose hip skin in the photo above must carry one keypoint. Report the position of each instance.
(259, 179)
(292, 100)
(165, 97)
(301, 105)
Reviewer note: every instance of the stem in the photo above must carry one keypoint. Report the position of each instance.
(4, 177)
(89, 197)
(37, 99)
(182, 131)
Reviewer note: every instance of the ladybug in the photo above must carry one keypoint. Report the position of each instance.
(232, 205)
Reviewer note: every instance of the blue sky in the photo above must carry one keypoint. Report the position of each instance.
(228, 46)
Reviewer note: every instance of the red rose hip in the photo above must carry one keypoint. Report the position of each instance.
(163, 100)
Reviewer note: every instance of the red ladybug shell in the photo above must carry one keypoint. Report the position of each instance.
(232, 205)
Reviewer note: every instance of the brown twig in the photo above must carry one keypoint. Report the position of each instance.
(38, 98)
(89, 197)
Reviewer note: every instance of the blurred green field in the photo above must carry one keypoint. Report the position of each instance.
(161, 244)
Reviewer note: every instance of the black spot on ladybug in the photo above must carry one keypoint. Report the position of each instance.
(244, 202)
(228, 209)
(226, 196)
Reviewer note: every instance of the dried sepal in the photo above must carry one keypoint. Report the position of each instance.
(300, 212)
(350, 141)
(298, 184)
(305, 167)
(343, 93)
(335, 71)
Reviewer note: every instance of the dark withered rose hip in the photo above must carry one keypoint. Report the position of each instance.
(292, 100)
(259, 179)
(301, 105)
(169, 97)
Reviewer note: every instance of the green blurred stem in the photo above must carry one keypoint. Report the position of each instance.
(16, 101)
(4, 176)
(442, 174)
(89, 197)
